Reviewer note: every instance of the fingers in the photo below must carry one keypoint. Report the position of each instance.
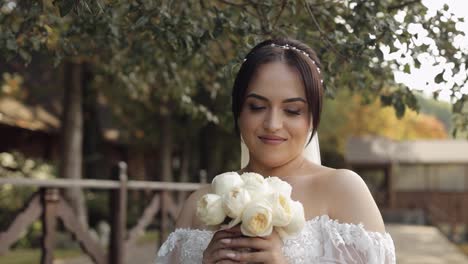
(234, 229)
(217, 251)
(227, 261)
(220, 235)
(225, 233)
(246, 242)
(248, 257)
(218, 255)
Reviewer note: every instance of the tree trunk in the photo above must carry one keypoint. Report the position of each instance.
(72, 137)
(211, 154)
(185, 166)
(166, 149)
(93, 156)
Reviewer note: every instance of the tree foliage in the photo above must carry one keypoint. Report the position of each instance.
(346, 116)
(179, 56)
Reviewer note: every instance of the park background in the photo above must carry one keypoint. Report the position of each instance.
(87, 84)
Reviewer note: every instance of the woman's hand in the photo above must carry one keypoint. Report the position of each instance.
(217, 252)
(262, 249)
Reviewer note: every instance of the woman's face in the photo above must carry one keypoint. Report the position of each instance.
(274, 121)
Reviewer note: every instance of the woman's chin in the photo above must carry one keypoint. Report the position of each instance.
(272, 161)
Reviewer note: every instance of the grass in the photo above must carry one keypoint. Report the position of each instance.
(464, 248)
(28, 256)
(148, 237)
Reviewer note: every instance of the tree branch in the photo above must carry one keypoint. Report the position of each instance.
(401, 5)
(322, 34)
(283, 5)
(233, 4)
(242, 6)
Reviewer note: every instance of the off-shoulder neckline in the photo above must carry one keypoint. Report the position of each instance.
(323, 217)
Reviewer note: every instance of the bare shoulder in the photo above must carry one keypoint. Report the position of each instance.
(186, 218)
(350, 200)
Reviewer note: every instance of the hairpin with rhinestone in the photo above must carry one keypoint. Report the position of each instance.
(287, 47)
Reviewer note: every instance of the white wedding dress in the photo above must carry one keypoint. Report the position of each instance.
(322, 240)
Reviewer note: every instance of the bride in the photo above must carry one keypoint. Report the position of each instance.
(276, 104)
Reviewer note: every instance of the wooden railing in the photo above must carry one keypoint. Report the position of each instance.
(48, 205)
(440, 206)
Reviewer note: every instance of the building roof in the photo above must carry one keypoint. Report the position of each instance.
(36, 118)
(15, 113)
(378, 150)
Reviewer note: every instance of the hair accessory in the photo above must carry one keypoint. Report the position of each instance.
(288, 47)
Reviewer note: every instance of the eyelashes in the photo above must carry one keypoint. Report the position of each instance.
(292, 112)
(256, 108)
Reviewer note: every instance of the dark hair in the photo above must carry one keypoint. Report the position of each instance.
(307, 66)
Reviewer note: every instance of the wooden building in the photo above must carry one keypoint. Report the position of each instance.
(35, 132)
(426, 175)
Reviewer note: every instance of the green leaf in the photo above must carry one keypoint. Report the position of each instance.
(65, 6)
(458, 106)
(407, 68)
(25, 55)
(141, 22)
(379, 53)
(399, 108)
(417, 64)
(439, 77)
(386, 100)
(11, 44)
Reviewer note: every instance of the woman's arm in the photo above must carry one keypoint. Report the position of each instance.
(350, 201)
(186, 218)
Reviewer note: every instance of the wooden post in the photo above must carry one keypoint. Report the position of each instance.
(390, 171)
(466, 178)
(118, 214)
(465, 205)
(164, 216)
(454, 214)
(50, 198)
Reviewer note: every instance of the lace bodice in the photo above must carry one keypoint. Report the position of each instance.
(323, 240)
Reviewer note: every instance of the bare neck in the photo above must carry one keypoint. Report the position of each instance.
(290, 168)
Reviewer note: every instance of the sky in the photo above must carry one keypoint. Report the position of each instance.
(424, 76)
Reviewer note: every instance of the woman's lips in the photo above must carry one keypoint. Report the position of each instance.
(271, 140)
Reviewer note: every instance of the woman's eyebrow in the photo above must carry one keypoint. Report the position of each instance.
(295, 99)
(289, 100)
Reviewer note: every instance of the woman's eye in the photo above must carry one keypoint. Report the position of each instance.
(293, 112)
(256, 107)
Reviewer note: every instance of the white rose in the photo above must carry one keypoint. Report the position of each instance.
(297, 221)
(282, 209)
(279, 185)
(210, 209)
(224, 182)
(235, 201)
(257, 219)
(256, 185)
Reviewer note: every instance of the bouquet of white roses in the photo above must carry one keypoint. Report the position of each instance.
(259, 204)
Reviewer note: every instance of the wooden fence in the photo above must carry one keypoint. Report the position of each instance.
(48, 205)
(440, 206)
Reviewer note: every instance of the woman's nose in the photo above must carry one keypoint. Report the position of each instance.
(273, 121)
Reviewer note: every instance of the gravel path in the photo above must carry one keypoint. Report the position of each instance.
(424, 245)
